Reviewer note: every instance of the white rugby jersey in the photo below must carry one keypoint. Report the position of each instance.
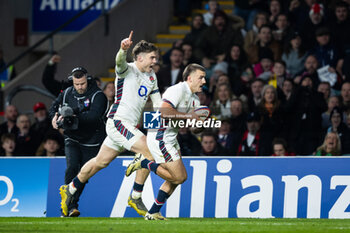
(180, 97)
(132, 88)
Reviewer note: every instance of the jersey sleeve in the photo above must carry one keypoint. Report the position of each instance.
(172, 96)
(121, 66)
(155, 96)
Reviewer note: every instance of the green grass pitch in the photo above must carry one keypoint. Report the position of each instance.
(183, 225)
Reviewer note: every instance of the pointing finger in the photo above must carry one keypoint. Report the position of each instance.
(130, 36)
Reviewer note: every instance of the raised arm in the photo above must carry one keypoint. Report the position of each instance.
(120, 59)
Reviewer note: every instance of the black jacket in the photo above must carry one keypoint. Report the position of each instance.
(90, 109)
(49, 81)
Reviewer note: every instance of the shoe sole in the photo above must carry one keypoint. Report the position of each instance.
(131, 167)
(74, 213)
(150, 218)
(133, 205)
(64, 207)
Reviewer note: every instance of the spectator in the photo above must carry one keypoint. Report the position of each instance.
(272, 115)
(216, 40)
(278, 74)
(339, 127)
(345, 96)
(238, 122)
(348, 120)
(27, 141)
(255, 97)
(287, 89)
(265, 40)
(98, 82)
(166, 57)
(48, 79)
(310, 70)
(313, 22)
(281, 29)
(220, 107)
(8, 144)
(9, 126)
(339, 26)
(210, 146)
(109, 91)
(189, 144)
(251, 143)
(299, 12)
(341, 36)
(325, 89)
(331, 145)
(237, 62)
(42, 125)
(274, 11)
(263, 69)
(225, 137)
(332, 102)
(204, 98)
(307, 123)
(189, 58)
(213, 6)
(171, 74)
(50, 146)
(294, 54)
(248, 10)
(325, 52)
(279, 146)
(219, 70)
(251, 36)
(197, 27)
(241, 87)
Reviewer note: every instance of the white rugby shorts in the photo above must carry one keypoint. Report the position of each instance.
(163, 152)
(121, 134)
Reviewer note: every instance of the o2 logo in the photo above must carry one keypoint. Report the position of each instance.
(9, 194)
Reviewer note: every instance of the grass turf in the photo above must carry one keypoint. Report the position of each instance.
(183, 225)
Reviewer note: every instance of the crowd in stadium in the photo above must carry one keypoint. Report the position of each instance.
(278, 77)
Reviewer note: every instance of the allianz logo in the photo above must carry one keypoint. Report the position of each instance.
(77, 5)
(264, 195)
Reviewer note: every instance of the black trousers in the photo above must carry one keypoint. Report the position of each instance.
(76, 156)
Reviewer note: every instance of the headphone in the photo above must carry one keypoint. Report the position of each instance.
(83, 70)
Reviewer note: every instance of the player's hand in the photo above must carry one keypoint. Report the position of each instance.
(55, 119)
(55, 58)
(127, 42)
(196, 116)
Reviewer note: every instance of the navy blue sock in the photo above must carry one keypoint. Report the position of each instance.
(77, 184)
(138, 187)
(159, 202)
(150, 165)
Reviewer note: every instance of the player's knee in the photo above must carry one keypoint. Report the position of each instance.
(180, 179)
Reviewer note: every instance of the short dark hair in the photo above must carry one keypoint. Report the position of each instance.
(190, 69)
(209, 133)
(280, 141)
(79, 72)
(8, 136)
(143, 47)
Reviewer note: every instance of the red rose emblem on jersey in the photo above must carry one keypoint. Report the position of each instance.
(151, 78)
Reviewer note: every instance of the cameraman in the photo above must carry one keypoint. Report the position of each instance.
(79, 110)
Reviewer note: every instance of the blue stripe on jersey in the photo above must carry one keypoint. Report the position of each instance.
(119, 94)
(167, 101)
(123, 130)
(155, 91)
